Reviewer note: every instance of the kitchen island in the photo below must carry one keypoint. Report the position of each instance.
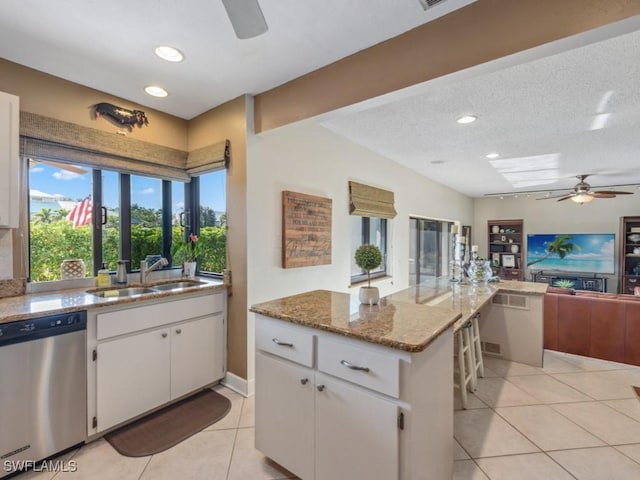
(345, 390)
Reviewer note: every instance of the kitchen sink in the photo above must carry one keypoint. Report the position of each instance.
(176, 286)
(123, 292)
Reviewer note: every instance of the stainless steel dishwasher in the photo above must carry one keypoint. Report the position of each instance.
(43, 388)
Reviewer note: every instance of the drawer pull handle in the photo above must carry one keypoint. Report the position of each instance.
(320, 387)
(632, 280)
(304, 381)
(354, 367)
(282, 344)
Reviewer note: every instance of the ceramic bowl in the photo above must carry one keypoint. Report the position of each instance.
(634, 237)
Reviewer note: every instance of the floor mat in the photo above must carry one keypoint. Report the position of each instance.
(169, 426)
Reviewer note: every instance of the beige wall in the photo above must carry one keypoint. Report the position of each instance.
(228, 121)
(58, 98)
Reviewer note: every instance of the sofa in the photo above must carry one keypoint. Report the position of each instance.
(598, 325)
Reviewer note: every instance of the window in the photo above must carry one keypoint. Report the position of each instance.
(429, 249)
(54, 192)
(139, 216)
(368, 230)
(213, 221)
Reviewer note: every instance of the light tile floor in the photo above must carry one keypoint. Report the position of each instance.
(576, 418)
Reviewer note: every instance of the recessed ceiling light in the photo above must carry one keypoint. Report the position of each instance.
(492, 155)
(170, 54)
(156, 91)
(467, 119)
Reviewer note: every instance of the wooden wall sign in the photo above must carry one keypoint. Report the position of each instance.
(306, 230)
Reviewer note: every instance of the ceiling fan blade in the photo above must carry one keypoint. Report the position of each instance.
(246, 18)
(602, 195)
(61, 166)
(612, 192)
(567, 197)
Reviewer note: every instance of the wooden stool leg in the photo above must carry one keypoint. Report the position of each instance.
(477, 347)
(461, 369)
(470, 381)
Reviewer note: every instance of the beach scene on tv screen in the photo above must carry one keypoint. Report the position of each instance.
(571, 252)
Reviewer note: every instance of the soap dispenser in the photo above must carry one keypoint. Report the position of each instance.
(104, 280)
(121, 274)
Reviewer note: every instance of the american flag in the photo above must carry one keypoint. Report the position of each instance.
(81, 213)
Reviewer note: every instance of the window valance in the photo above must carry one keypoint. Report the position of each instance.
(51, 139)
(368, 201)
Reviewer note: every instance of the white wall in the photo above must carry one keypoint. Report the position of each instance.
(551, 216)
(308, 158)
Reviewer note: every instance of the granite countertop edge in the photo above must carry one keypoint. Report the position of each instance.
(13, 309)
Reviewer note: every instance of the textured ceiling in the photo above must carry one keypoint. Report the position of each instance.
(542, 117)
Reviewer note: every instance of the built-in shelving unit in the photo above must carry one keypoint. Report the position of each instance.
(629, 254)
(505, 242)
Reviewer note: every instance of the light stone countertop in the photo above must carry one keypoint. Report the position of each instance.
(407, 320)
(32, 305)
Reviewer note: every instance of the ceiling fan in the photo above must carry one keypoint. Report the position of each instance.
(582, 192)
(246, 18)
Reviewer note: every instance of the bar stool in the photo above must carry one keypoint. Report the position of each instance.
(466, 367)
(476, 350)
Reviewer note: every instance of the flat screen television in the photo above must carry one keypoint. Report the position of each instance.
(572, 252)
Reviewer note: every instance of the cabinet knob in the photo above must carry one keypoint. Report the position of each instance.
(304, 381)
(320, 387)
(164, 335)
(178, 331)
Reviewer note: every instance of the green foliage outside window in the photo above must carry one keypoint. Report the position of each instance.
(55, 240)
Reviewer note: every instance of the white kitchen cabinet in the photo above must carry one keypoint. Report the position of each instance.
(323, 419)
(195, 354)
(132, 376)
(357, 434)
(143, 357)
(9, 159)
(285, 413)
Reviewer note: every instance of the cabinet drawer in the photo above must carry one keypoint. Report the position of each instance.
(285, 340)
(361, 365)
(131, 320)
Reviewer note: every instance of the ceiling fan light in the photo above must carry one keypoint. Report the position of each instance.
(582, 198)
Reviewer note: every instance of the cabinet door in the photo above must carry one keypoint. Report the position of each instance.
(132, 376)
(197, 354)
(356, 433)
(9, 159)
(284, 413)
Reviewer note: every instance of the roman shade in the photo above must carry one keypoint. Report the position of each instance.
(367, 201)
(209, 158)
(51, 139)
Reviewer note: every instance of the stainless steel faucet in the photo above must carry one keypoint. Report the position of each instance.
(145, 270)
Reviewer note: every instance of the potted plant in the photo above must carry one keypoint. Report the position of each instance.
(368, 257)
(188, 253)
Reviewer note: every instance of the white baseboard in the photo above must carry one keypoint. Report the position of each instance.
(239, 384)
